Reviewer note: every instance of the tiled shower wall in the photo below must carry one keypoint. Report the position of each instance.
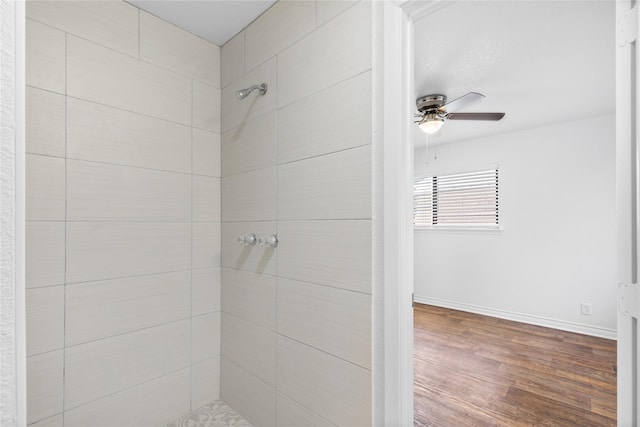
(296, 320)
(123, 210)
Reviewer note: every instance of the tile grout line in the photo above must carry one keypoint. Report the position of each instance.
(131, 387)
(191, 259)
(277, 222)
(138, 113)
(219, 230)
(128, 55)
(139, 53)
(133, 276)
(64, 325)
(123, 333)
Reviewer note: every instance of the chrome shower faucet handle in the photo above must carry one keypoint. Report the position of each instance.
(269, 241)
(248, 240)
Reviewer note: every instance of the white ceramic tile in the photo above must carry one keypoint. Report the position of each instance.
(44, 385)
(45, 122)
(102, 309)
(336, 389)
(328, 9)
(45, 319)
(330, 319)
(341, 120)
(258, 259)
(206, 198)
(45, 253)
(206, 153)
(98, 191)
(45, 188)
(110, 23)
(154, 403)
(250, 346)
(236, 111)
(99, 368)
(98, 74)
(333, 186)
(250, 397)
(250, 146)
(205, 336)
(205, 382)
(249, 196)
(45, 57)
(250, 296)
(334, 52)
(55, 421)
(105, 250)
(170, 47)
(205, 244)
(205, 290)
(111, 135)
(232, 58)
(206, 107)
(279, 27)
(334, 253)
(291, 413)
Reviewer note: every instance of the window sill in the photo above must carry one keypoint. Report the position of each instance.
(483, 229)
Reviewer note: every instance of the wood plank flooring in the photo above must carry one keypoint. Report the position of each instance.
(473, 370)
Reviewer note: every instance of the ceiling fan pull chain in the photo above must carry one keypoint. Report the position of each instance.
(426, 148)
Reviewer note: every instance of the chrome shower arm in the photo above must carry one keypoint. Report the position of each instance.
(243, 93)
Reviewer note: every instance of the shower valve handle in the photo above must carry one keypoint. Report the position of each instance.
(249, 240)
(269, 241)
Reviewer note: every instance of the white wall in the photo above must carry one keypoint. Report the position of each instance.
(557, 247)
(123, 216)
(12, 215)
(296, 322)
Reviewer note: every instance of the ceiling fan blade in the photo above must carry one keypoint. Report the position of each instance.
(462, 102)
(475, 116)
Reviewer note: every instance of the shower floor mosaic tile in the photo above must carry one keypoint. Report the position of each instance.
(214, 414)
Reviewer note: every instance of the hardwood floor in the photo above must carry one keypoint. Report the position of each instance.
(473, 370)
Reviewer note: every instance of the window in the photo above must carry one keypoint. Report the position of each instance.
(465, 200)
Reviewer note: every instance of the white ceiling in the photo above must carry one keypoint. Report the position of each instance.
(213, 20)
(541, 62)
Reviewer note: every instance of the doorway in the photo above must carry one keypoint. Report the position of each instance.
(555, 151)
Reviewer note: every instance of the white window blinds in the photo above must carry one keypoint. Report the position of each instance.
(466, 199)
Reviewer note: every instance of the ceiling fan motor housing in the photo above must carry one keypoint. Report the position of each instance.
(430, 102)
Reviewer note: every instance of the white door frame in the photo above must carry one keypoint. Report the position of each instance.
(392, 235)
(12, 215)
(392, 319)
(627, 207)
(393, 105)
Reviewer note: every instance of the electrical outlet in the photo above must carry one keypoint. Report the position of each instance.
(585, 309)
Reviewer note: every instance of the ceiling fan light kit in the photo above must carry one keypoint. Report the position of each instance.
(434, 110)
(431, 123)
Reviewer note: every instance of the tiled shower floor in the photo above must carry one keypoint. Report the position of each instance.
(214, 414)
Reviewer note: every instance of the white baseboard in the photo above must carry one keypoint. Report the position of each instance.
(518, 317)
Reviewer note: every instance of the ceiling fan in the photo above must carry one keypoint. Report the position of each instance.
(434, 110)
